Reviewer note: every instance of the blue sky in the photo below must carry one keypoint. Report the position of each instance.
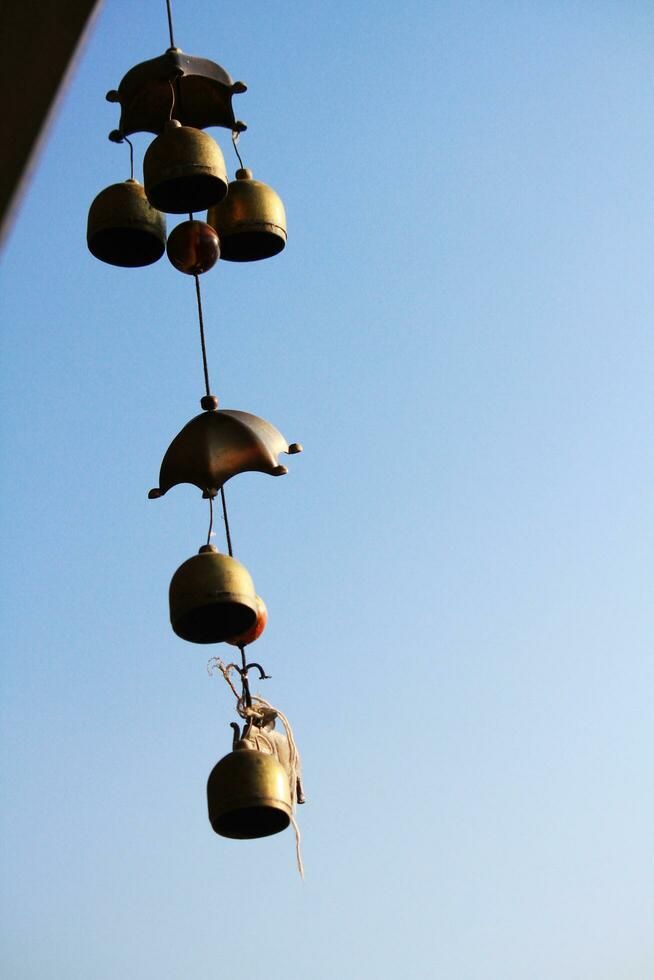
(458, 567)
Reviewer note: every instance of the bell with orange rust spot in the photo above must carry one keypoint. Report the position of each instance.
(123, 228)
(212, 598)
(244, 639)
(184, 170)
(251, 221)
(248, 795)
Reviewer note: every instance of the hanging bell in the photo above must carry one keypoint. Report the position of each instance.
(184, 170)
(212, 598)
(251, 222)
(248, 795)
(123, 228)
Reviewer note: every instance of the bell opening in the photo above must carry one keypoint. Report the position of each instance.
(250, 822)
(126, 247)
(250, 246)
(187, 194)
(215, 622)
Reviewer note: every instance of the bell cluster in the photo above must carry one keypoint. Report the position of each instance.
(253, 790)
(184, 172)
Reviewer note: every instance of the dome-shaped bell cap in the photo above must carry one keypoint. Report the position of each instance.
(251, 221)
(184, 170)
(123, 228)
(248, 795)
(212, 598)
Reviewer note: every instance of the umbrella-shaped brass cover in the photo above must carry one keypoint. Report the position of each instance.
(248, 795)
(212, 598)
(202, 94)
(218, 444)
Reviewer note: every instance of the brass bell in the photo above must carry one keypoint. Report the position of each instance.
(212, 598)
(123, 228)
(184, 170)
(251, 222)
(248, 795)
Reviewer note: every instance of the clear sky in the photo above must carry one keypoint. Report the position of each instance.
(458, 569)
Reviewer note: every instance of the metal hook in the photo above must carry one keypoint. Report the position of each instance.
(237, 733)
(210, 531)
(235, 139)
(263, 676)
(172, 104)
(243, 671)
(131, 157)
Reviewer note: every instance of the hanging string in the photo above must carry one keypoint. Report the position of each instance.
(170, 23)
(210, 532)
(202, 340)
(247, 697)
(172, 101)
(235, 138)
(131, 157)
(226, 520)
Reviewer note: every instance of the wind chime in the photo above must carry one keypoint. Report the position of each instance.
(252, 791)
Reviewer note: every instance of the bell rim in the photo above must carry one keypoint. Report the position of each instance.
(271, 803)
(266, 232)
(96, 243)
(162, 195)
(200, 610)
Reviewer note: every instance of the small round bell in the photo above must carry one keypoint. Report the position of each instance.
(123, 228)
(184, 170)
(193, 247)
(248, 795)
(212, 598)
(244, 639)
(251, 221)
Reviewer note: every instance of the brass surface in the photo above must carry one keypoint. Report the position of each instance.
(203, 94)
(184, 170)
(123, 228)
(251, 221)
(215, 446)
(248, 795)
(193, 247)
(212, 598)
